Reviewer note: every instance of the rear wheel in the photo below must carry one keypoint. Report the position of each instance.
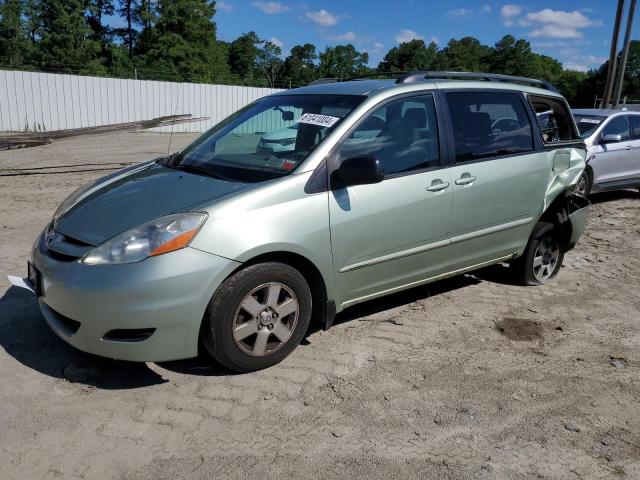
(542, 257)
(257, 317)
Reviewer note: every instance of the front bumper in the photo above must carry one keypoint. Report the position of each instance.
(168, 293)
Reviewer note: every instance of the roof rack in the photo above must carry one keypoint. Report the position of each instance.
(323, 81)
(492, 77)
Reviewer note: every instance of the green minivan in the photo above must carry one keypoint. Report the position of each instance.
(232, 248)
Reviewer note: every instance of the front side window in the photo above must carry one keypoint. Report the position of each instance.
(554, 119)
(402, 135)
(488, 124)
(267, 139)
(617, 126)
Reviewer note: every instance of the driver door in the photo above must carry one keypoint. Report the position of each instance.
(395, 233)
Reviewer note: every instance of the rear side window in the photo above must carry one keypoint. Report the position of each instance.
(554, 119)
(488, 124)
(618, 126)
(403, 135)
(635, 126)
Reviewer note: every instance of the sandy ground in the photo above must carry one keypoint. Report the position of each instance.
(469, 378)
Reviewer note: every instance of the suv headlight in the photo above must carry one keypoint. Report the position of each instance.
(163, 235)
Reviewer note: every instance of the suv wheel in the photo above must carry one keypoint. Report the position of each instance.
(257, 317)
(583, 187)
(542, 257)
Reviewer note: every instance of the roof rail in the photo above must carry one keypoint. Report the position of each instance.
(375, 74)
(492, 77)
(323, 81)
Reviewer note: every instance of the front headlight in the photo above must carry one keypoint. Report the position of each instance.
(163, 235)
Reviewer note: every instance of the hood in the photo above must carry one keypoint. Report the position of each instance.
(139, 196)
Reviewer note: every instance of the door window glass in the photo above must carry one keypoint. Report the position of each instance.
(402, 135)
(487, 124)
(617, 126)
(554, 119)
(635, 126)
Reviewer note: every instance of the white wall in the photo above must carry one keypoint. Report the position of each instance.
(33, 101)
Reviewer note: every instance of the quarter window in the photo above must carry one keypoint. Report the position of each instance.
(402, 135)
(617, 126)
(554, 119)
(488, 124)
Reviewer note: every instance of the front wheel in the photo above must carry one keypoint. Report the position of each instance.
(583, 187)
(542, 257)
(257, 317)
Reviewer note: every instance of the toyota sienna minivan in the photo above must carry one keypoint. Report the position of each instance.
(389, 184)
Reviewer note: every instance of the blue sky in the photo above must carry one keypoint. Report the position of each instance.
(576, 32)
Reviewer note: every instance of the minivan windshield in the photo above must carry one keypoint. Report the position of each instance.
(267, 139)
(587, 124)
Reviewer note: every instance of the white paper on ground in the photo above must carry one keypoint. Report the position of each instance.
(19, 282)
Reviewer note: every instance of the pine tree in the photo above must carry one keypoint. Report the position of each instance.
(65, 42)
(181, 45)
(13, 40)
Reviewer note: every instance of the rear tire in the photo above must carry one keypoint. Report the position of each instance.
(257, 317)
(542, 257)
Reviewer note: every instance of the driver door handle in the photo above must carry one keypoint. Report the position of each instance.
(437, 186)
(465, 179)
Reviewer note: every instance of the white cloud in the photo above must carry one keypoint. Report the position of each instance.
(486, 8)
(271, 7)
(224, 6)
(576, 66)
(459, 12)
(377, 47)
(277, 42)
(345, 37)
(555, 31)
(508, 11)
(406, 35)
(574, 19)
(322, 18)
(435, 40)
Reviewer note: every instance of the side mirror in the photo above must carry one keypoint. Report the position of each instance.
(361, 170)
(611, 138)
(287, 115)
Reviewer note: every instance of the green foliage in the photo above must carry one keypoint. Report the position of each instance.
(413, 55)
(343, 61)
(466, 54)
(13, 39)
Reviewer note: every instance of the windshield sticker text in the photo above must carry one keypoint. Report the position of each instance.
(316, 119)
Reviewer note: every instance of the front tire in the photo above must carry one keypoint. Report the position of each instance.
(257, 317)
(542, 257)
(583, 187)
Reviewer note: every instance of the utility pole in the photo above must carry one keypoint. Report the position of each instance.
(625, 53)
(613, 55)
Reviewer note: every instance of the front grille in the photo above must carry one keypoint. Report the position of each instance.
(63, 247)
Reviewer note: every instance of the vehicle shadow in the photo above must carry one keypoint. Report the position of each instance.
(614, 195)
(26, 337)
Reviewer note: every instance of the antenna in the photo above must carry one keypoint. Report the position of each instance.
(173, 122)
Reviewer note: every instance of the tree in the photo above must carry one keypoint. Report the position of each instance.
(127, 9)
(65, 37)
(268, 61)
(343, 61)
(181, 45)
(243, 52)
(300, 66)
(465, 55)
(408, 56)
(13, 40)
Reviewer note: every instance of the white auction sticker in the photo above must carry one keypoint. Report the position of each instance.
(317, 119)
(589, 120)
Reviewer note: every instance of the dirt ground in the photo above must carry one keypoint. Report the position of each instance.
(468, 378)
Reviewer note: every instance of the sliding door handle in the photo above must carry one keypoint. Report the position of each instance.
(465, 179)
(437, 186)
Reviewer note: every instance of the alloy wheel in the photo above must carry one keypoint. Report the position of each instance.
(265, 319)
(545, 259)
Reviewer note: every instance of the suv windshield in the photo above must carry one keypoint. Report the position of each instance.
(587, 124)
(267, 139)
